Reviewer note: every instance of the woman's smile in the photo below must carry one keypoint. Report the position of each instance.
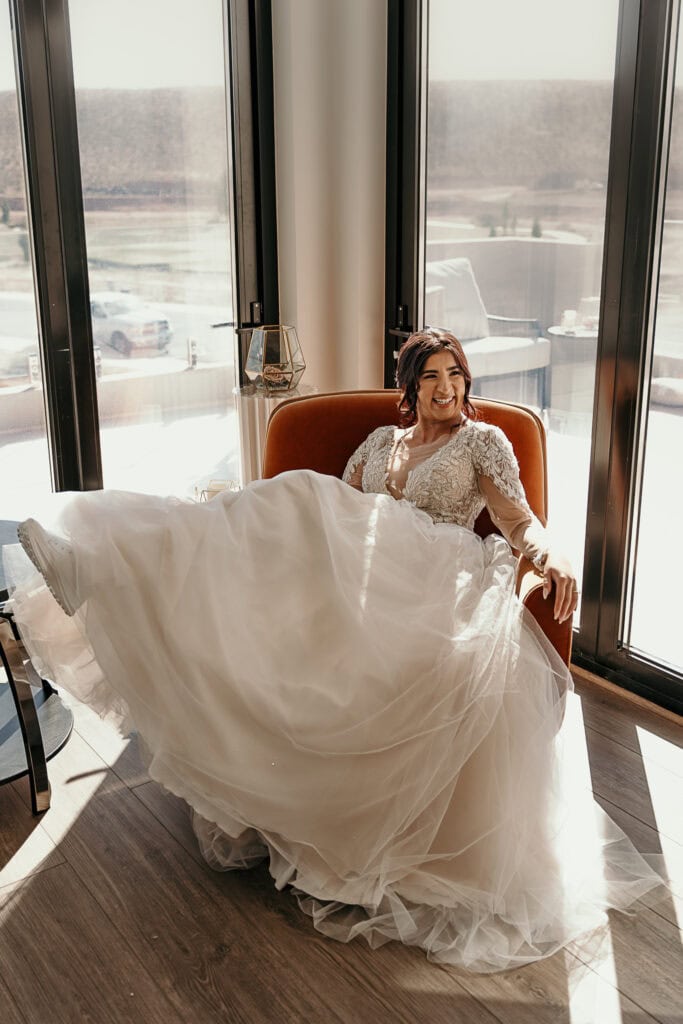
(440, 395)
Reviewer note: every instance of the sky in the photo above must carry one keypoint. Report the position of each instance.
(137, 44)
(155, 43)
(522, 39)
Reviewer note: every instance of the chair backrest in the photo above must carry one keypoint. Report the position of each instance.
(321, 432)
(453, 299)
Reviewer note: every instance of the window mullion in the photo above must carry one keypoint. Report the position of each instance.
(50, 141)
(249, 47)
(630, 257)
(406, 156)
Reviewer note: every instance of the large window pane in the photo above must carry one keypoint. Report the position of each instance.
(654, 628)
(24, 462)
(518, 144)
(152, 121)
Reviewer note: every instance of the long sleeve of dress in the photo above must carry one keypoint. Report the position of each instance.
(501, 488)
(376, 443)
(520, 527)
(354, 476)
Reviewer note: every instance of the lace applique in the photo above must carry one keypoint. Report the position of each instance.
(494, 457)
(374, 454)
(445, 484)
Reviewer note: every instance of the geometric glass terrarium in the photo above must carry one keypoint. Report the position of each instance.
(275, 361)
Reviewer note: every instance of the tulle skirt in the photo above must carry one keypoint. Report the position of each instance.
(333, 681)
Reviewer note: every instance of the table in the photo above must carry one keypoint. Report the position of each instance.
(253, 412)
(34, 724)
(573, 354)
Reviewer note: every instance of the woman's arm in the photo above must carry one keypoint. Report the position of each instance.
(353, 474)
(515, 520)
(524, 531)
(501, 488)
(355, 477)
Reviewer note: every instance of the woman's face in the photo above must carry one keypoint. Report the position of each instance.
(441, 390)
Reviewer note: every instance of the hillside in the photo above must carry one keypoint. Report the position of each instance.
(154, 143)
(534, 134)
(138, 145)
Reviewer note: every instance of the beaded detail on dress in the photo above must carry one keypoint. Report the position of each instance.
(445, 485)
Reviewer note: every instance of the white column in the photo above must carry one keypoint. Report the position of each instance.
(330, 129)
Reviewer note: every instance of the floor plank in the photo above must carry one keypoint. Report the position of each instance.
(64, 962)
(174, 815)
(25, 847)
(635, 710)
(648, 841)
(641, 955)
(559, 990)
(350, 973)
(617, 714)
(196, 930)
(123, 754)
(657, 740)
(646, 790)
(229, 947)
(9, 1011)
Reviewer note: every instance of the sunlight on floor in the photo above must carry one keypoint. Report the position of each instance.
(660, 751)
(595, 996)
(30, 856)
(664, 792)
(662, 763)
(592, 998)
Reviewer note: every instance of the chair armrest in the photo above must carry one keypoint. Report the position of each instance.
(530, 592)
(509, 325)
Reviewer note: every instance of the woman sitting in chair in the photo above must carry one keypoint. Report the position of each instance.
(477, 466)
(346, 683)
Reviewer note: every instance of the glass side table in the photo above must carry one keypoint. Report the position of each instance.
(34, 724)
(253, 411)
(573, 354)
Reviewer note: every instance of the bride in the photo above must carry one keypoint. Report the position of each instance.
(341, 679)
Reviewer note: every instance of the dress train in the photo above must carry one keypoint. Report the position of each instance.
(331, 679)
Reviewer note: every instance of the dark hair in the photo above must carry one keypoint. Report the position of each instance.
(412, 356)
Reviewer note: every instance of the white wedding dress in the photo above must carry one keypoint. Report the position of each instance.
(345, 684)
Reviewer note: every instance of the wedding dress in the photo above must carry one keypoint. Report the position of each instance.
(346, 683)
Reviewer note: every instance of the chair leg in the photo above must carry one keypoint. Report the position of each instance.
(20, 674)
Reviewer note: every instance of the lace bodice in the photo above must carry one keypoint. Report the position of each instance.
(476, 467)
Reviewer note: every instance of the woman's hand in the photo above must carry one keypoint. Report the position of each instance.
(558, 570)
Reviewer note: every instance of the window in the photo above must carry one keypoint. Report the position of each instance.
(527, 156)
(145, 254)
(652, 615)
(24, 457)
(154, 148)
(517, 158)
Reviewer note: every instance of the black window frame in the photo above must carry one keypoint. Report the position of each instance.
(249, 46)
(641, 121)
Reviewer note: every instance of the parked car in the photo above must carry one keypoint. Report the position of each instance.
(127, 322)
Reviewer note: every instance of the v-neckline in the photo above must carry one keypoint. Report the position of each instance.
(396, 441)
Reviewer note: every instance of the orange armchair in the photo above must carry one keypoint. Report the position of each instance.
(320, 432)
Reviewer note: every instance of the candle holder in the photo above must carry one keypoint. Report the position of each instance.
(275, 361)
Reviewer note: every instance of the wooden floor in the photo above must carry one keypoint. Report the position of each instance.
(107, 913)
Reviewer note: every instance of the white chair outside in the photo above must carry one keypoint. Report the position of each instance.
(496, 347)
